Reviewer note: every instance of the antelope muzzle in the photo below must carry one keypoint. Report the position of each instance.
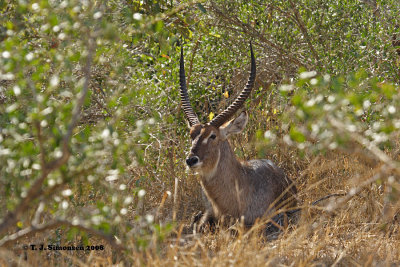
(192, 161)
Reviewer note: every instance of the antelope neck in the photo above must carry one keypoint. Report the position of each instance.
(227, 164)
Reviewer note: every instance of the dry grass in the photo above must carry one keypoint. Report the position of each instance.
(359, 231)
(356, 233)
(362, 230)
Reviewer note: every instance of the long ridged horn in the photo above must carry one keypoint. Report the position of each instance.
(230, 111)
(187, 108)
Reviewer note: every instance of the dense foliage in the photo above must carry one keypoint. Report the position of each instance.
(92, 136)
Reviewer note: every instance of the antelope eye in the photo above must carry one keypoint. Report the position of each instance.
(213, 136)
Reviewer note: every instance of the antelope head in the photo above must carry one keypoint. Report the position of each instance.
(208, 138)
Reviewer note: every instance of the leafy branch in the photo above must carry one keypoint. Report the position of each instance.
(35, 190)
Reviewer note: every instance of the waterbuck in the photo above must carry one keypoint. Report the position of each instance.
(244, 190)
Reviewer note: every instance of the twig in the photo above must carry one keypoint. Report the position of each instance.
(253, 32)
(379, 154)
(38, 213)
(101, 105)
(157, 216)
(388, 163)
(174, 209)
(194, 50)
(172, 12)
(81, 98)
(303, 29)
(35, 190)
(354, 191)
(41, 147)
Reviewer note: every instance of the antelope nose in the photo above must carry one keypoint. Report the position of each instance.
(191, 161)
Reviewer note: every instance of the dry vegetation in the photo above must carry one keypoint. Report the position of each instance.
(359, 228)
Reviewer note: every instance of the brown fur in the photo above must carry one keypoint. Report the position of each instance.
(250, 189)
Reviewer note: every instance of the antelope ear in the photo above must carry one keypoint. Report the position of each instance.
(234, 126)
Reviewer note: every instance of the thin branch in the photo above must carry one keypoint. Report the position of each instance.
(388, 164)
(354, 191)
(299, 21)
(194, 50)
(76, 113)
(174, 208)
(35, 190)
(38, 213)
(171, 12)
(101, 105)
(379, 154)
(41, 146)
(12, 217)
(248, 29)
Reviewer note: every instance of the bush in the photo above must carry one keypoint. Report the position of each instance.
(92, 137)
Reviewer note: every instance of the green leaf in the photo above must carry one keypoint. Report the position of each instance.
(296, 135)
(158, 26)
(201, 7)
